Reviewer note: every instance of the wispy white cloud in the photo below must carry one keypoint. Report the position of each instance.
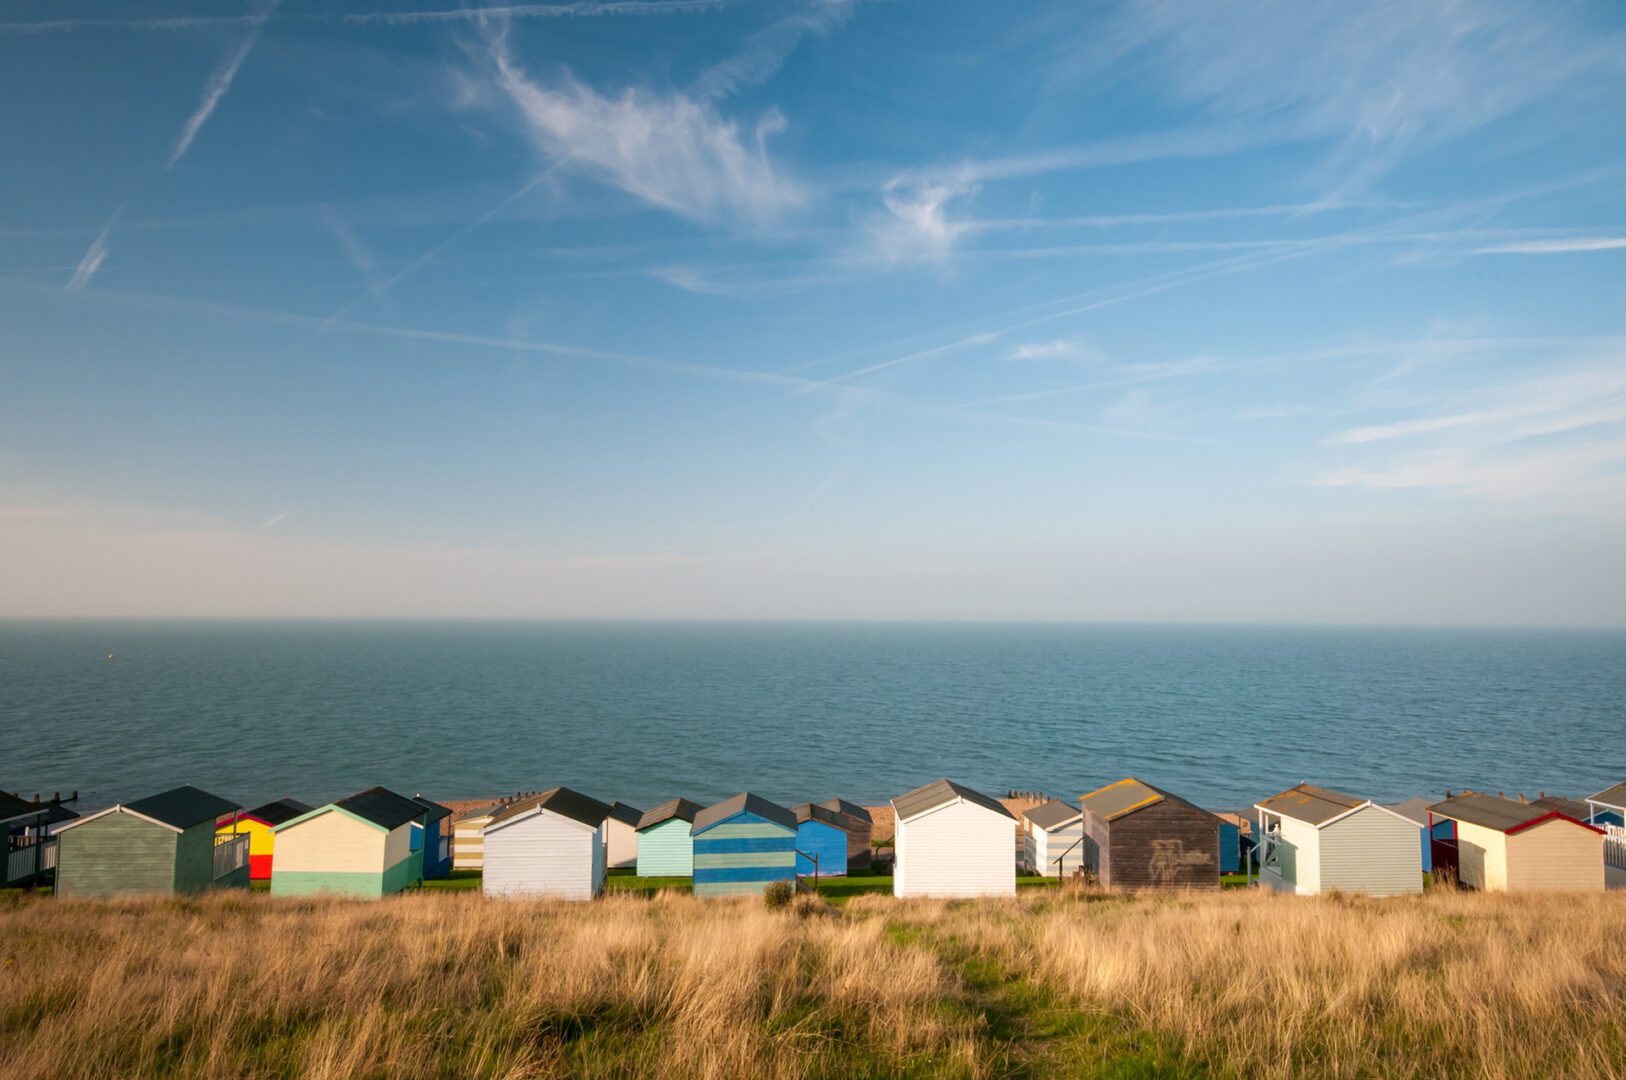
(427, 16)
(1556, 247)
(220, 80)
(275, 519)
(917, 224)
(766, 50)
(96, 254)
(584, 9)
(1558, 434)
(1381, 77)
(1056, 349)
(672, 151)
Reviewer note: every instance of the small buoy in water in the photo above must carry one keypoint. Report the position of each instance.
(110, 656)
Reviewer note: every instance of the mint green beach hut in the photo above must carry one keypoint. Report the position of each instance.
(665, 848)
(359, 846)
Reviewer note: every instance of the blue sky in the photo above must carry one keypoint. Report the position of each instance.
(761, 309)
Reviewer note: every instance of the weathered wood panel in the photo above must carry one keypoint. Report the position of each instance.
(1166, 845)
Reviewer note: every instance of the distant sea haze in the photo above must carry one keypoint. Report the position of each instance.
(642, 712)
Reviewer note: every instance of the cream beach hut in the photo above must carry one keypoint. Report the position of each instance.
(1506, 846)
(468, 837)
(953, 841)
(1053, 838)
(358, 846)
(1313, 840)
(621, 832)
(552, 844)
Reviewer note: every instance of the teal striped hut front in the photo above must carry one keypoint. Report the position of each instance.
(742, 844)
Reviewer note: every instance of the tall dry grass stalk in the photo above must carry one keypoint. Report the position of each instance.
(443, 985)
(1070, 983)
(1448, 984)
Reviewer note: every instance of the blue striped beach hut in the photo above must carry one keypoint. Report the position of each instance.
(742, 844)
(821, 841)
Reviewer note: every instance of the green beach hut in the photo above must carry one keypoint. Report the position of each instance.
(359, 846)
(165, 843)
(665, 848)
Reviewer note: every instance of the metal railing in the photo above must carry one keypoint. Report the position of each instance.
(231, 853)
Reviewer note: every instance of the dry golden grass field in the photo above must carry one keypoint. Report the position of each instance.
(1061, 983)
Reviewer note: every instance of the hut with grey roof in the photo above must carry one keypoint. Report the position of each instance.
(1502, 845)
(741, 845)
(665, 840)
(1053, 838)
(1313, 840)
(552, 844)
(165, 843)
(953, 841)
(1137, 836)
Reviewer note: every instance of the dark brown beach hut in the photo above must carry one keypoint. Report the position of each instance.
(1137, 836)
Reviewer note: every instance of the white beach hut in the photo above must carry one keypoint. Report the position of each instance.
(552, 844)
(1053, 838)
(1313, 840)
(952, 841)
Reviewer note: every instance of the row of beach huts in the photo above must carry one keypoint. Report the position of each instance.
(949, 841)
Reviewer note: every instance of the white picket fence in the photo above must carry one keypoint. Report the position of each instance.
(24, 862)
(1614, 846)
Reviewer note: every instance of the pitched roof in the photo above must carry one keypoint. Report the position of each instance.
(743, 803)
(478, 811)
(626, 815)
(1413, 809)
(1611, 796)
(940, 793)
(842, 806)
(671, 808)
(183, 807)
(1053, 814)
(1568, 807)
(1121, 797)
(436, 811)
(382, 807)
(558, 800)
(817, 812)
(1495, 812)
(1310, 804)
(277, 811)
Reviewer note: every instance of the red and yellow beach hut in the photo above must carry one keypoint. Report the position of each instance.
(258, 823)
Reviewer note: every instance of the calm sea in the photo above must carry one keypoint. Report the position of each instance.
(644, 711)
